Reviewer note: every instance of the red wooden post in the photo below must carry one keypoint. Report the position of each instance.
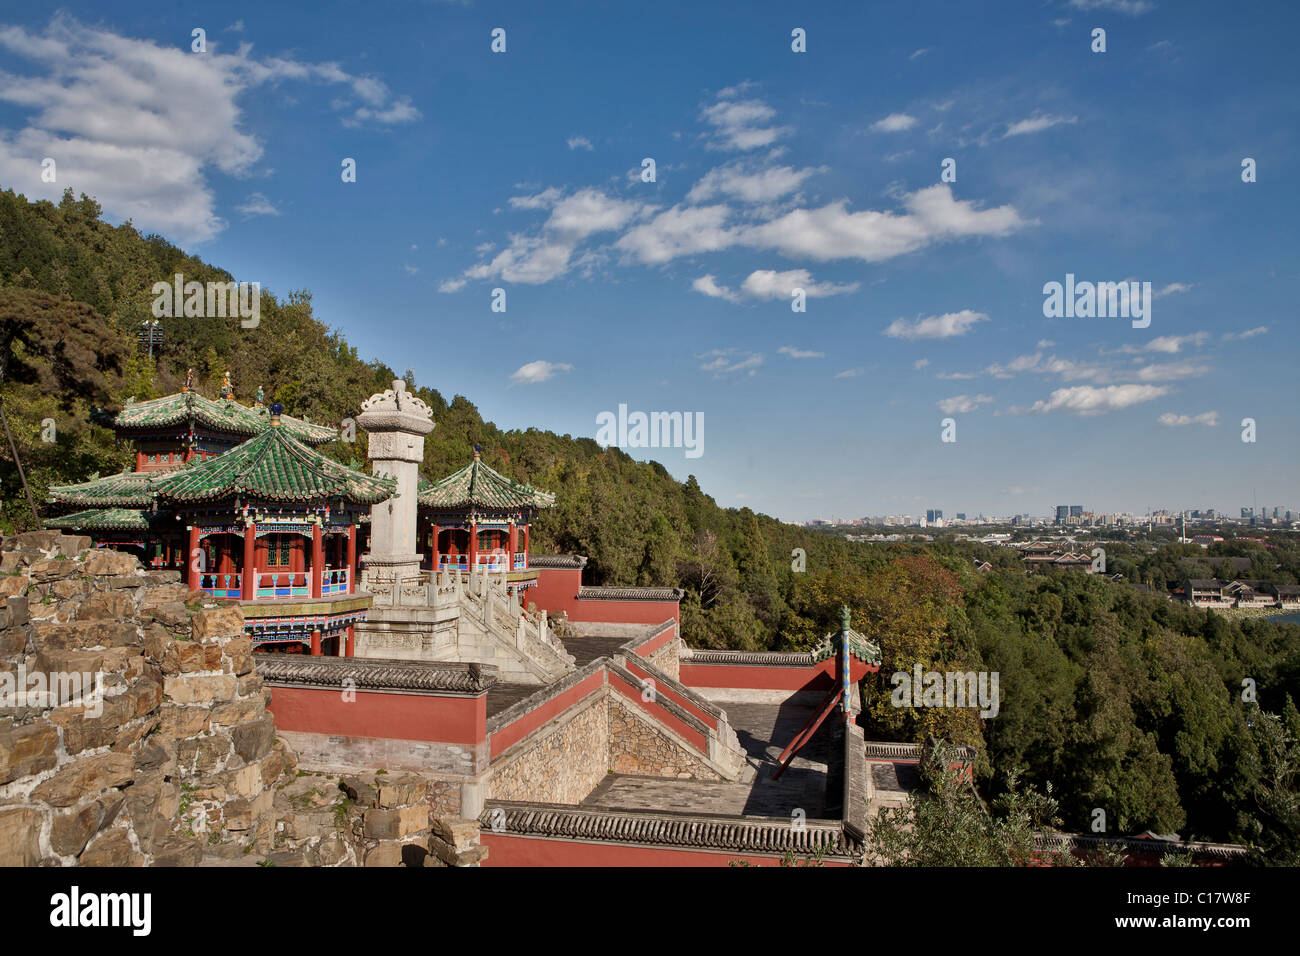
(248, 581)
(436, 556)
(514, 546)
(192, 559)
(352, 558)
(317, 559)
(351, 648)
(315, 643)
(473, 546)
(526, 546)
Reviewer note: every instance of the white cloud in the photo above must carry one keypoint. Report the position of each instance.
(798, 353)
(543, 200)
(539, 371)
(1210, 419)
(955, 376)
(410, 269)
(1131, 7)
(579, 142)
(1174, 343)
(1170, 371)
(257, 205)
(679, 231)
(1248, 334)
(452, 285)
(769, 284)
(724, 361)
(960, 404)
(920, 364)
(764, 185)
(741, 124)
(894, 123)
(1044, 344)
(1171, 288)
(921, 52)
(1089, 400)
(1036, 124)
(936, 326)
(849, 373)
(832, 232)
(708, 286)
(138, 125)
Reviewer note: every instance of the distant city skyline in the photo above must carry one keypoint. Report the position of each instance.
(923, 174)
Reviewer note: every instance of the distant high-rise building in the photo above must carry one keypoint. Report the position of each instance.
(933, 515)
(1062, 512)
(1248, 512)
(1076, 511)
(961, 516)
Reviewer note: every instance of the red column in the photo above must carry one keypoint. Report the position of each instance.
(435, 549)
(248, 574)
(473, 546)
(514, 544)
(315, 644)
(192, 559)
(351, 647)
(525, 546)
(317, 559)
(352, 560)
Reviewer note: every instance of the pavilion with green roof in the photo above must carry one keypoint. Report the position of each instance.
(273, 520)
(472, 519)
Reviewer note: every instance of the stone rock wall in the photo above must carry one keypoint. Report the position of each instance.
(561, 763)
(668, 659)
(134, 730)
(639, 747)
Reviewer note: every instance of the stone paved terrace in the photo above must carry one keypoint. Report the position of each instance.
(585, 648)
(502, 695)
(763, 730)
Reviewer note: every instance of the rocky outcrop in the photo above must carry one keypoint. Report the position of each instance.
(134, 730)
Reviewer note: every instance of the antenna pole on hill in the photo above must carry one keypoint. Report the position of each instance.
(17, 461)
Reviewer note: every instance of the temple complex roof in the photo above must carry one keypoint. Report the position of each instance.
(274, 466)
(478, 486)
(106, 519)
(128, 489)
(863, 648)
(223, 415)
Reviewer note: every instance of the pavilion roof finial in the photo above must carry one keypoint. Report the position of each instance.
(276, 411)
(844, 617)
(478, 452)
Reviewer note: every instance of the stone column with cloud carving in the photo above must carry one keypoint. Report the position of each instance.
(396, 423)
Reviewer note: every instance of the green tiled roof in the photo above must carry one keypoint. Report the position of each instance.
(863, 648)
(107, 519)
(274, 466)
(224, 415)
(129, 489)
(477, 485)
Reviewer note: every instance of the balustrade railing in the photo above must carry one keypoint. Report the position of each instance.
(221, 585)
(277, 584)
(334, 581)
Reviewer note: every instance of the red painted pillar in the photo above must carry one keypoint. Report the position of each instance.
(317, 559)
(351, 645)
(192, 559)
(473, 545)
(315, 644)
(514, 544)
(436, 557)
(352, 558)
(525, 546)
(248, 574)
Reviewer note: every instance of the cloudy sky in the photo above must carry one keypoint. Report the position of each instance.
(774, 170)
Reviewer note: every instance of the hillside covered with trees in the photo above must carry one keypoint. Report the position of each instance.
(1121, 699)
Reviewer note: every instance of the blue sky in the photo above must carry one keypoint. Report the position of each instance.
(774, 170)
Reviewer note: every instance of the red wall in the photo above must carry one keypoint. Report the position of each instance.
(453, 720)
(509, 735)
(557, 590)
(507, 850)
(661, 714)
(816, 677)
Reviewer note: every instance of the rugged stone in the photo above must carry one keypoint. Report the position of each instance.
(71, 545)
(85, 777)
(106, 562)
(20, 829)
(179, 851)
(84, 732)
(112, 848)
(397, 824)
(105, 606)
(240, 652)
(362, 793)
(253, 741)
(11, 585)
(26, 750)
(401, 791)
(69, 832)
(18, 609)
(194, 690)
(218, 622)
(53, 569)
(173, 615)
(84, 634)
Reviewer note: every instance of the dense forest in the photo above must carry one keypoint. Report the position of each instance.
(1119, 698)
